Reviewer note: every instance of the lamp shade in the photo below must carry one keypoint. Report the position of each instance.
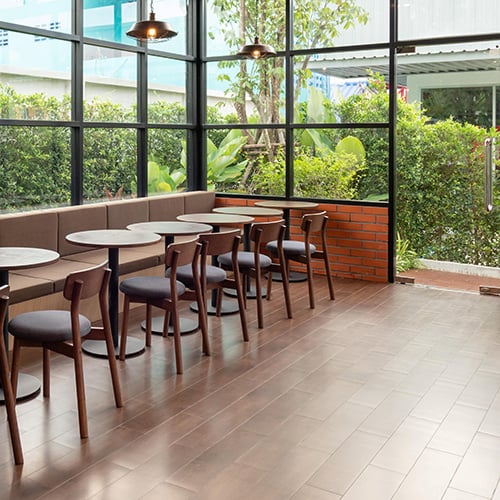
(257, 50)
(151, 30)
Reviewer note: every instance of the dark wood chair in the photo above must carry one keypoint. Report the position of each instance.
(10, 400)
(214, 277)
(63, 332)
(256, 265)
(305, 252)
(165, 293)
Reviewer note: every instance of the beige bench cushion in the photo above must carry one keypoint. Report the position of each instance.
(121, 213)
(29, 229)
(79, 218)
(199, 202)
(25, 288)
(166, 207)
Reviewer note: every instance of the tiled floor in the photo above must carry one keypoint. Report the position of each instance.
(390, 392)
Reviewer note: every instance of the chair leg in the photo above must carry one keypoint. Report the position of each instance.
(286, 289)
(10, 405)
(329, 277)
(46, 373)
(80, 394)
(123, 338)
(258, 297)
(202, 321)
(113, 368)
(177, 341)
(310, 286)
(14, 370)
(240, 295)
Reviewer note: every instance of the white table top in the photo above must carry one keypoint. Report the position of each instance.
(113, 238)
(171, 228)
(215, 218)
(286, 204)
(252, 211)
(24, 257)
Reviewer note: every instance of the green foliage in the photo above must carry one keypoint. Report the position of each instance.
(406, 258)
(329, 176)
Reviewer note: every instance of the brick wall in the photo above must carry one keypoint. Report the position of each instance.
(357, 238)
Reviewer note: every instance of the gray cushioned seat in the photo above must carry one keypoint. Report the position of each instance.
(290, 247)
(245, 260)
(46, 326)
(150, 287)
(185, 275)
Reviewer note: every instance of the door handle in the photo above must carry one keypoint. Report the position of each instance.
(488, 174)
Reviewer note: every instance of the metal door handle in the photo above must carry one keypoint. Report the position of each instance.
(488, 174)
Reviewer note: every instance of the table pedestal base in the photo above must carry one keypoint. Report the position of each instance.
(28, 387)
(187, 326)
(251, 292)
(228, 307)
(97, 348)
(293, 277)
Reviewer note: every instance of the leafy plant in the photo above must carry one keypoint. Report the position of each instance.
(406, 258)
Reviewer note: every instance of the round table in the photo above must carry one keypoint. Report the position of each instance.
(12, 258)
(113, 240)
(217, 220)
(170, 229)
(286, 206)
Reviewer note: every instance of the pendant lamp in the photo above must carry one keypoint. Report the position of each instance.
(151, 30)
(256, 50)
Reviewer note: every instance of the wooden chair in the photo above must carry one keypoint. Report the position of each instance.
(165, 293)
(10, 400)
(256, 265)
(214, 277)
(306, 252)
(63, 332)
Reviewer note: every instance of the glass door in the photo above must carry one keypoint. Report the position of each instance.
(447, 233)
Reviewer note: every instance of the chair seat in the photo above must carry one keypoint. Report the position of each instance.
(46, 326)
(290, 247)
(150, 287)
(185, 275)
(246, 260)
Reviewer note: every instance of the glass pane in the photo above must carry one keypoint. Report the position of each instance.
(34, 76)
(428, 18)
(230, 25)
(328, 87)
(54, 15)
(167, 90)
(246, 91)
(339, 23)
(166, 161)
(174, 12)
(109, 19)
(246, 161)
(347, 164)
(35, 167)
(109, 163)
(110, 85)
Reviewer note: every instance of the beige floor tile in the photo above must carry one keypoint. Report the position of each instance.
(438, 401)
(311, 493)
(491, 423)
(344, 466)
(429, 478)
(387, 417)
(337, 428)
(453, 494)
(481, 390)
(479, 471)
(404, 447)
(374, 484)
(458, 429)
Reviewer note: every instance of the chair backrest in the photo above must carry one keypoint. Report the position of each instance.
(220, 242)
(263, 232)
(91, 281)
(182, 253)
(314, 222)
